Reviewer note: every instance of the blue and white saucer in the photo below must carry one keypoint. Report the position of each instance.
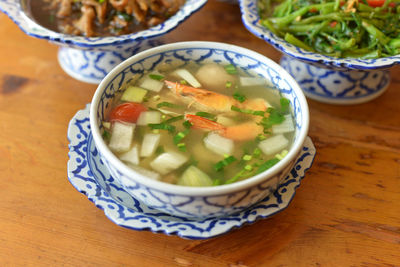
(89, 176)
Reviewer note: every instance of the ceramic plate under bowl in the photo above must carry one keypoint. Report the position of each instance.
(89, 176)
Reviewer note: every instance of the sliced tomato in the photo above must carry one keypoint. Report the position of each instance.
(127, 112)
(379, 3)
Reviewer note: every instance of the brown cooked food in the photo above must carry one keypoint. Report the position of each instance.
(102, 17)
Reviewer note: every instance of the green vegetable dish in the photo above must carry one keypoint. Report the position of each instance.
(202, 125)
(365, 29)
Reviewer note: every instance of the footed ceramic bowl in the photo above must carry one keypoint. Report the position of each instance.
(323, 78)
(198, 202)
(90, 59)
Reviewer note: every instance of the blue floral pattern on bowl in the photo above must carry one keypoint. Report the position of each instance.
(200, 206)
(88, 174)
(324, 78)
(90, 59)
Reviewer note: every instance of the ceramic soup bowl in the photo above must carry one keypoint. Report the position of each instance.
(199, 202)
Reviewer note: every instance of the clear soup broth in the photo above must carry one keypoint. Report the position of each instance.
(202, 125)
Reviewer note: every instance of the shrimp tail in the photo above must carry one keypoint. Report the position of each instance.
(203, 123)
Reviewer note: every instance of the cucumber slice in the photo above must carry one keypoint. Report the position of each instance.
(134, 94)
(193, 176)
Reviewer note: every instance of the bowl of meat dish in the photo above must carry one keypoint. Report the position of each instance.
(95, 35)
(339, 52)
(199, 129)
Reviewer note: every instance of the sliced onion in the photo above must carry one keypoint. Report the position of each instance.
(121, 136)
(167, 162)
(149, 144)
(273, 145)
(218, 144)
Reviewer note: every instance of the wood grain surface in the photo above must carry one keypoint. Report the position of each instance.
(345, 213)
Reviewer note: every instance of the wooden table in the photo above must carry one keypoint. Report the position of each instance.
(346, 212)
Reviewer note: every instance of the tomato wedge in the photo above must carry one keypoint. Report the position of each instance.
(127, 112)
(379, 3)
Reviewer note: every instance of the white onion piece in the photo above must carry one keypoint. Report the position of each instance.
(147, 117)
(187, 76)
(121, 136)
(286, 126)
(218, 144)
(214, 76)
(167, 162)
(145, 172)
(132, 156)
(151, 84)
(149, 144)
(252, 81)
(273, 145)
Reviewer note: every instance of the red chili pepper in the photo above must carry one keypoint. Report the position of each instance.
(333, 24)
(127, 112)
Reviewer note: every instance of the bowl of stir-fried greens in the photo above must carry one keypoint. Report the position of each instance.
(340, 51)
(87, 53)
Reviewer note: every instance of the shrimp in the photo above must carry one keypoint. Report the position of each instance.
(205, 100)
(240, 132)
(210, 101)
(202, 99)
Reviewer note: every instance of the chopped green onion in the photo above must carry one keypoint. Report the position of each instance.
(217, 182)
(275, 117)
(281, 155)
(247, 157)
(159, 150)
(162, 126)
(106, 135)
(248, 111)
(230, 69)
(179, 136)
(256, 152)
(168, 104)
(239, 97)
(156, 77)
(187, 124)
(285, 103)
(183, 82)
(248, 167)
(174, 119)
(206, 115)
(261, 137)
(223, 163)
(266, 165)
(228, 84)
(181, 147)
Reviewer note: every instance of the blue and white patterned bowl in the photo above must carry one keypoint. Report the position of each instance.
(323, 78)
(87, 173)
(90, 59)
(198, 202)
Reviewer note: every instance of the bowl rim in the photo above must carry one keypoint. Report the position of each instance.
(251, 22)
(187, 190)
(30, 27)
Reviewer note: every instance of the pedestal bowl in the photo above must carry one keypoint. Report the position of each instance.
(90, 59)
(324, 78)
